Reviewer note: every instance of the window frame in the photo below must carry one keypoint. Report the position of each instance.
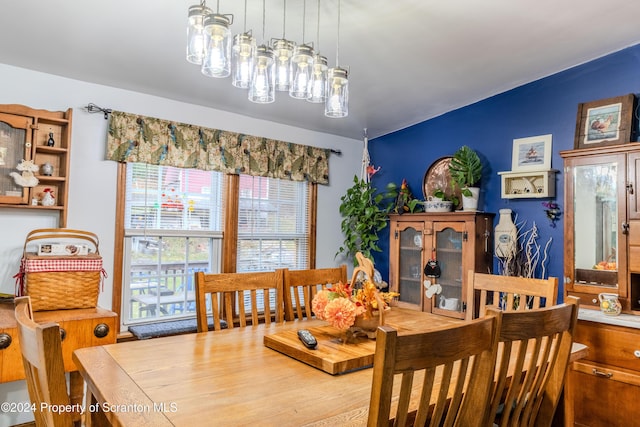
(229, 247)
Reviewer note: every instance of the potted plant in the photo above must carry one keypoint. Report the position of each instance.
(466, 170)
(365, 213)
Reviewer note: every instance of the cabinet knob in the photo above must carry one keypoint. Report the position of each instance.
(101, 330)
(5, 341)
(636, 353)
(63, 334)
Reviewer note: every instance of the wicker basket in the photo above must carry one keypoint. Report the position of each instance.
(61, 282)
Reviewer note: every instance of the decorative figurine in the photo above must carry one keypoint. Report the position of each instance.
(51, 142)
(47, 198)
(47, 169)
(26, 178)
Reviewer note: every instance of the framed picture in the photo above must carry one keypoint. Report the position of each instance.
(605, 122)
(531, 154)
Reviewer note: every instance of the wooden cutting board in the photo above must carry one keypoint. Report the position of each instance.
(331, 355)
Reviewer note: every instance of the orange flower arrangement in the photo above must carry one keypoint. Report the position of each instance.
(341, 304)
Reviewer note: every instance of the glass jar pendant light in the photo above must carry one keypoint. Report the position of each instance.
(262, 89)
(283, 51)
(317, 87)
(217, 46)
(195, 33)
(243, 53)
(337, 103)
(301, 64)
(243, 56)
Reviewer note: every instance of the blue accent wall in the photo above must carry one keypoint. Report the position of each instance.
(546, 106)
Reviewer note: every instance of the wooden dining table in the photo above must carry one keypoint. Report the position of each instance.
(229, 378)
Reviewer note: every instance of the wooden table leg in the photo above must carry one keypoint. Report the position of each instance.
(76, 395)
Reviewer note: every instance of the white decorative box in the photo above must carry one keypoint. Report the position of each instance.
(57, 249)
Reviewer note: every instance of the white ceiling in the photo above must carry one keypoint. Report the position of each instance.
(409, 60)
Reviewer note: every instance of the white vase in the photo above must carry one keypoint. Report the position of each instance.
(505, 235)
(471, 203)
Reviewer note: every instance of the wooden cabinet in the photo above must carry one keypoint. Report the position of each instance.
(459, 241)
(81, 328)
(43, 137)
(606, 384)
(602, 224)
(602, 255)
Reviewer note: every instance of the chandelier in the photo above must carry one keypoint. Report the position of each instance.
(278, 65)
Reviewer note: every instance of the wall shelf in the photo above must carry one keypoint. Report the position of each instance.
(529, 184)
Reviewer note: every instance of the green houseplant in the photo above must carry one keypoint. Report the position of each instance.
(365, 214)
(465, 169)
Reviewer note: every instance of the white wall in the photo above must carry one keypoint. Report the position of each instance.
(92, 189)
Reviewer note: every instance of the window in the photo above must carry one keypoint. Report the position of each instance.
(272, 226)
(273, 229)
(173, 227)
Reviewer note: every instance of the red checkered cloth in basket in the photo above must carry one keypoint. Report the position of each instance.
(75, 264)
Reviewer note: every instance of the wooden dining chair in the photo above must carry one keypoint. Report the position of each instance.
(452, 368)
(532, 361)
(491, 287)
(227, 294)
(300, 286)
(41, 349)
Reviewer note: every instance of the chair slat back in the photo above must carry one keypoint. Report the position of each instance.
(41, 349)
(464, 355)
(490, 287)
(227, 291)
(300, 286)
(533, 356)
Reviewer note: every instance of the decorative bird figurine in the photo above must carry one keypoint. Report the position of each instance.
(404, 196)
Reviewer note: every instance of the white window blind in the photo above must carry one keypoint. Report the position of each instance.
(273, 221)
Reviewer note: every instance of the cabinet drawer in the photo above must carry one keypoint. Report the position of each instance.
(599, 401)
(610, 345)
(586, 300)
(82, 328)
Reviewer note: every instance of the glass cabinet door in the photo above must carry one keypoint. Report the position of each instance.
(410, 265)
(15, 145)
(448, 239)
(599, 219)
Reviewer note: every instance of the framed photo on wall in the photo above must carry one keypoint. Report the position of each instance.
(532, 153)
(605, 122)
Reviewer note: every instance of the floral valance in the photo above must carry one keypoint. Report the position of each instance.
(135, 138)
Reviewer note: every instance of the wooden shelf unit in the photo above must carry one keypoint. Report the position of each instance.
(29, 142)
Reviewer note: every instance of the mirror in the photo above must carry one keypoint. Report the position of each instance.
(596, 224)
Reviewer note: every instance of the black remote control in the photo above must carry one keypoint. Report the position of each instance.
(307, 339)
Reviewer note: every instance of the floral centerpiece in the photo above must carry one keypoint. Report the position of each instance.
(342, 304)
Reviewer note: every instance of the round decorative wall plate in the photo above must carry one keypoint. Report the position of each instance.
(438, 177)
